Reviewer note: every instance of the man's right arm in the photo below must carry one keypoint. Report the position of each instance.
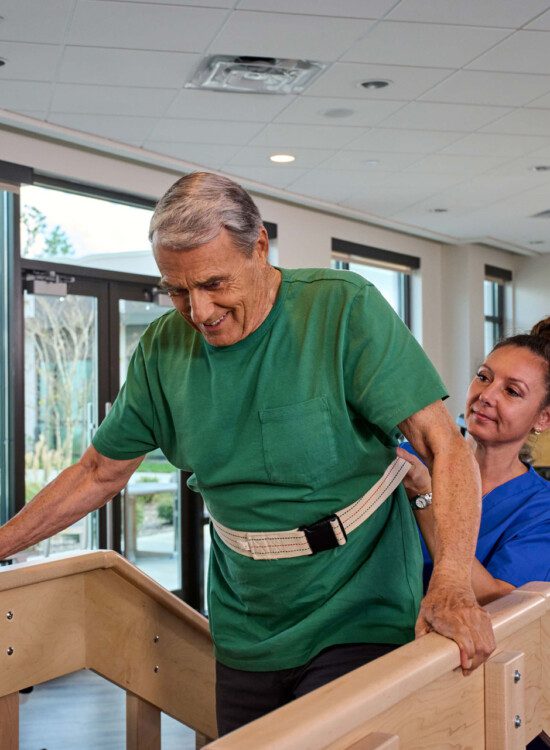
(78, 490)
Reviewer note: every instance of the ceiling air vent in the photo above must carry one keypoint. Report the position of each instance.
(255, 75)
(542, 215)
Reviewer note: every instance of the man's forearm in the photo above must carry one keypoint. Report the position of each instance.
(456, 510)
(69, 497)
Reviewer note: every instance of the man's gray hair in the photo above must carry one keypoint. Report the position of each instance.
(198, 206)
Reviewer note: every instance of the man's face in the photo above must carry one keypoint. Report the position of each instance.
(220, 291)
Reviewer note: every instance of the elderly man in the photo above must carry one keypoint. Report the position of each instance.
(282, 391)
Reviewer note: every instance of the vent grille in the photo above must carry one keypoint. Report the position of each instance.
(255, 75)
(542, 215)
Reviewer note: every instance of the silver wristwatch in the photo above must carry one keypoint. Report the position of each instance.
(422, 501)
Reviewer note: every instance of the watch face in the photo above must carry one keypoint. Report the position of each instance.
(422, 501)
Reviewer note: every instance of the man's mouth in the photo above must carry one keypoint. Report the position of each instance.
(215, 323)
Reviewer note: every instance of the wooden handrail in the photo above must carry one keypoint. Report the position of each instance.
(118, 622)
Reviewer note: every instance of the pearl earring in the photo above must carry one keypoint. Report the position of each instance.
(537, 432)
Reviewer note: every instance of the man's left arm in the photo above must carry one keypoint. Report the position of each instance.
(450, 605)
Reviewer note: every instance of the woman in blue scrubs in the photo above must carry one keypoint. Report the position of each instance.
(508, 401)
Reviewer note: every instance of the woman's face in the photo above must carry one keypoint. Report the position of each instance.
(504, 399)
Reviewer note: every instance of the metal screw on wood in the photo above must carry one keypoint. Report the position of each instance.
(156, 668)
(517, 721)
(517, 675)
(9, 615)
(9, 650)
(156, 639)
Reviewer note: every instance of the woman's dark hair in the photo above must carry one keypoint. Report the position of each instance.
(538, 342)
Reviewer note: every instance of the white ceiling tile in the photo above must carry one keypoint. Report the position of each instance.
(211, 155)
(436, 116)
(120, 128)
(25, 95)
(541, 23)
(364, 161)
(480, 87)
(344, 80)
(35, 113)
(29, 62)
(383, 201)
(205, 131)
(312, 109)
(258, 156)
(451, 164)
(337, 8)
(542, 102)
(522, 122)
(330, 184)
(278, 176)
(432, 45)
(485, 144)
(110, 100)
(282, 35)
(523, 52)
(433, 182)
(307, 136)
(198, 104)
(126, 67)
(42, 21)
(143, 26)
(522, 169)
(200, 3)
(540, 154)
(403, 141)
(497, 13)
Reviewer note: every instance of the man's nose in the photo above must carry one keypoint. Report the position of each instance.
(200, 306)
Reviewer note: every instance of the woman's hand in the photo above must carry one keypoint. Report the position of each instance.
(418, 480)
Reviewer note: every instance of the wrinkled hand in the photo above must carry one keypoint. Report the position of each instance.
(417, 480)
(452, 610)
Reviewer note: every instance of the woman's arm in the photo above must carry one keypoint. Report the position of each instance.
(418, 482)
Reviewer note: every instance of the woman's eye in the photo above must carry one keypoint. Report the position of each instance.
(482, 377)
(513, 392)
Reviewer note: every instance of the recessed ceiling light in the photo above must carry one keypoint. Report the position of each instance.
(338, 112)
(541, 168)
(282, 158)
(439, 210)
(375, 84)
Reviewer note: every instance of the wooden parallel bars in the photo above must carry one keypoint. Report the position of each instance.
(97, 611)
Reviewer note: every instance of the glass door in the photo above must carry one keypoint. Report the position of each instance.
(150, 513)
(61, 391)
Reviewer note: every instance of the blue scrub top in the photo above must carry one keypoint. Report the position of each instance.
(514, 535)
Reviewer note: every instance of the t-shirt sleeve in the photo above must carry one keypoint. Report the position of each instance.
(388, 375)
(525, 557)
(128, 429)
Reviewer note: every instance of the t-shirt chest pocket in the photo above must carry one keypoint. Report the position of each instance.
(298, 441)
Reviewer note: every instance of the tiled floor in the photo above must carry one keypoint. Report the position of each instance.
(82, 711)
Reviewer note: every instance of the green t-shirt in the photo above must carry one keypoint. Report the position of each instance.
(281, 429)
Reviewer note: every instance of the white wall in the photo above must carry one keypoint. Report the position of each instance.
(447, 292)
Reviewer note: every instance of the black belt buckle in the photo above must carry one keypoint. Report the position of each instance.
(320, 535)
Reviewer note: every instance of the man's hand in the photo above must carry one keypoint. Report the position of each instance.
(453, 611)
(417, 480)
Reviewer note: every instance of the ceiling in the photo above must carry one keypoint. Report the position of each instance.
(461, 127)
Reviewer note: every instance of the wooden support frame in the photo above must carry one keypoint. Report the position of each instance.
(9, 721)
(142, 724)
(505, 702)
(97, 611)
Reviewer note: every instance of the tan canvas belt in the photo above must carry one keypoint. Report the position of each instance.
(327, 533)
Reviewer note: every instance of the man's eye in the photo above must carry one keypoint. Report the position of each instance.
(212, 285)
(173, 292)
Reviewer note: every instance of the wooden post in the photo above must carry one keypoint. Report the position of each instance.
(505, 702)
(9, 721)
(142, 724)
(377, 741)
(201, 740)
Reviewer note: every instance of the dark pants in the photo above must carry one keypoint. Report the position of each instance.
(243, 696)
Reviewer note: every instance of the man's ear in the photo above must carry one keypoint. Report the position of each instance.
(262, 244)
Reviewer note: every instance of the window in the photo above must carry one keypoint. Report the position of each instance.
(494, 294)
(389, 272)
